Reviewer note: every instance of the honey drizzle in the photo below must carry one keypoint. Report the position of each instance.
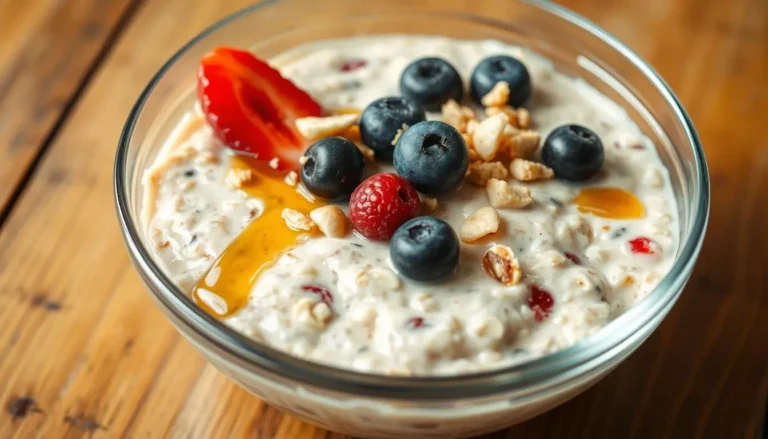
(225, 288)
(609, 202)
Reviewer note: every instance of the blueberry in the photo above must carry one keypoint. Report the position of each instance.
(574, 152)
(334, 168)
(501, 68)
(381, 120)
(432, 155)
(425, 249)
(430, 82)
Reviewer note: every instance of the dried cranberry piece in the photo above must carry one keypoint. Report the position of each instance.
(352, 65)
(642, 245)
(540, 301)
(325, 295)
(573, 258)
(414, 322)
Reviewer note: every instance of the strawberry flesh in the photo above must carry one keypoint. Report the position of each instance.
(251, 107)
(642, 245)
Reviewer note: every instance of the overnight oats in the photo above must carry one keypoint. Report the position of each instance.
(408, 205)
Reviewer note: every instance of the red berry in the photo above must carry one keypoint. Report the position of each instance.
(324, 294)
(573, 258)
(251, 107)
(352, 65)
(414, 323)
(642, 245)
(541, 302)
(381, 204)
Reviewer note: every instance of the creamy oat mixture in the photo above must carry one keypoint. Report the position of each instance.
(376, 321)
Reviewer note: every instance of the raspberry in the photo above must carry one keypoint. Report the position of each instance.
(642, 245)
(324, 294)
(573, 258)
(541, 302)
(381, 204)
(352, 65)
(414, 323)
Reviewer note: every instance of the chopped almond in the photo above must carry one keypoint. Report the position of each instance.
(330, 220)
(456, 115)
(479, 173)
(238, 178)
(502, 195)
(292, 179)
(399, 133)
(521, 144)
(498, 96)
(483, 222)
(368, 153)
(523, 118)
(500, 263)
(313, 128)
(431, 204)
(297, 220)
(507, 112)
(526, 170)
(488, 136)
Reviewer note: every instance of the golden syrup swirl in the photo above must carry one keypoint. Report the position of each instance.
(225, 287)
(609, 202)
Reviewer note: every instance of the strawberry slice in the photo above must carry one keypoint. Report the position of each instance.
(251, 107)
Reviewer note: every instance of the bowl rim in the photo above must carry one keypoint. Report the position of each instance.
(526, 377)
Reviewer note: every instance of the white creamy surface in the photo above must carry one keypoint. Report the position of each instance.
(469, 322)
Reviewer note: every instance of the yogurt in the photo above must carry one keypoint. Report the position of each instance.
(338, 301)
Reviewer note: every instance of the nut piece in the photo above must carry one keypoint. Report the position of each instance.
(498, 96)
(502, 195)
(297, 220)
(312, 313)
(487, 136)
(274, 163)
(431, 204)
(330, 220)
(313, 128)
(472, 127)
(521, 144)
(483, 222)
(379, 277)
(399, 133)
(526, 170)
(303, 160)
(468, 141)
(237, 178)
(368, 153)
(352, 133)
(207, 158)
(292, 178)
(347, 110)
(500, 263)
(480, 173)
(505, 111)
(322, 313)
(456, 115)
(523, 118)
(490, 328)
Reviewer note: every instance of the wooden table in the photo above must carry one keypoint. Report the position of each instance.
(84, 352)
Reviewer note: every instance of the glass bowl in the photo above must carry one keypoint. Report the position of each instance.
(454, 406)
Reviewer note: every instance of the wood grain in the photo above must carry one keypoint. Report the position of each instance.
(48, 49)
(79, 336)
